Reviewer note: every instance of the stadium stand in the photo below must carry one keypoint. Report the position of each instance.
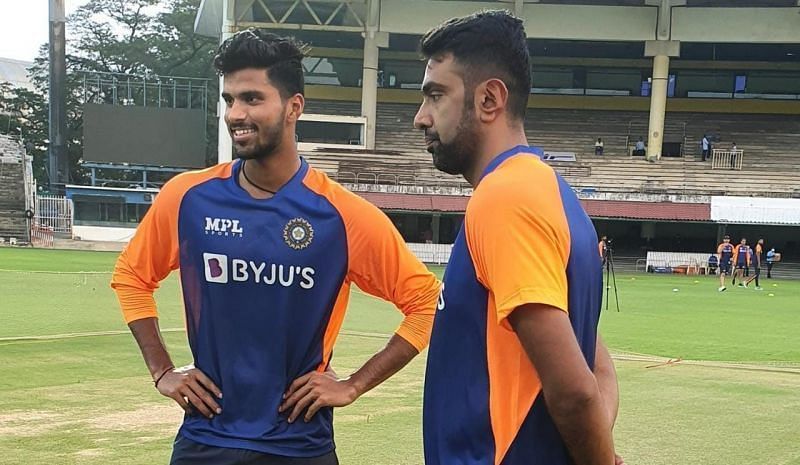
(769, 143)
(13, 223)
(590, 80)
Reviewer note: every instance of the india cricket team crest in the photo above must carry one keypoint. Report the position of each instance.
(298, 233)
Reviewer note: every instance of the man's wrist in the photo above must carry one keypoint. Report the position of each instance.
(357, 388)
(161, 374)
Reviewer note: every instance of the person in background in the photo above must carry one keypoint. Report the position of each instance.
(770, 262)
(741, 258)
(706, 147)
(725, 253)
(598, 147)
(602, 249)
(757, 259)
(734, 155)
(639, 150)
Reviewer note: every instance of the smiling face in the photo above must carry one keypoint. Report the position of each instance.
(255, 113)
(447, 116)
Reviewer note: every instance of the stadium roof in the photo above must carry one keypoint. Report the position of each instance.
(664, 211)
(658, 211)
(755, 210)
(705, 21)
(691, 3)
(15, 72)
(417, 202)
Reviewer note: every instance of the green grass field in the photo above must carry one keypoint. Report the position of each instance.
(73, 388)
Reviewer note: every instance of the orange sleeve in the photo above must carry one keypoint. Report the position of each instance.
(153, 251)
(519, 239)
(719, 250)
(381, 264)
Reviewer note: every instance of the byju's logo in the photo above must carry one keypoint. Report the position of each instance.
(216, 266)
(221, 269)
(223, 227)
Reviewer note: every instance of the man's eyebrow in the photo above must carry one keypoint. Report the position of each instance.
(431, 86)
(250, 94)
(244, 95)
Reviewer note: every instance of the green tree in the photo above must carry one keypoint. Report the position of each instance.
(23, 113)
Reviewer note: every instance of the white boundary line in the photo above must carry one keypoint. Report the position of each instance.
(56, 272)
(767, 366)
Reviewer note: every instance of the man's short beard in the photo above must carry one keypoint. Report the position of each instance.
(458, 156)
(274, 140)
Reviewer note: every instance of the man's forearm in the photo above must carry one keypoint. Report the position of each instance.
(583, 422)
(154, 352)
(391, 359)
(570, 389)
(606, 376)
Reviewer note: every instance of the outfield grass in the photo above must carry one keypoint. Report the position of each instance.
(88, 400)
(698, 322)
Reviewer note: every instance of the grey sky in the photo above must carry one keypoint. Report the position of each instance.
(23, 26)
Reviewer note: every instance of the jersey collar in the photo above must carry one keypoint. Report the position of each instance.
(537, 151)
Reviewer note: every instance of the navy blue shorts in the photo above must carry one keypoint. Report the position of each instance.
(741, 265)
(725, 267)
(188, 452)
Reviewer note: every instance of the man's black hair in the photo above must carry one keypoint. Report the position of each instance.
(487, 44)
(281, 57)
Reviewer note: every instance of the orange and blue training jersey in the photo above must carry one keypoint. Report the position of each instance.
(265, 286)
(742, 254)
(526, 239)
(725, 252)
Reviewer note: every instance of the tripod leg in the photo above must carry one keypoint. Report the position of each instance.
(607, 283)
(614, 279)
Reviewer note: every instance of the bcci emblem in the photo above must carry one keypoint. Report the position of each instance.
(298, 233)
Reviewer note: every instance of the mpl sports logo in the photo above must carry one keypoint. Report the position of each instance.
(223, 270)
(223, 227)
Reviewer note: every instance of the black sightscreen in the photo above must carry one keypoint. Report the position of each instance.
(144, 135)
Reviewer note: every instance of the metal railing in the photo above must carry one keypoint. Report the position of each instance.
(726, 159)
(52, 216)
(438, 254)
(145, 91)
(391, 179)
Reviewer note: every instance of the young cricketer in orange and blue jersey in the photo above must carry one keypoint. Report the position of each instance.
(265, 284)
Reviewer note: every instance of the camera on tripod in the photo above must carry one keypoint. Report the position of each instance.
(606, 247)
(608, 264)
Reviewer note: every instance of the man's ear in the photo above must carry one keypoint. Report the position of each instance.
(296, 105)
(491, 99)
